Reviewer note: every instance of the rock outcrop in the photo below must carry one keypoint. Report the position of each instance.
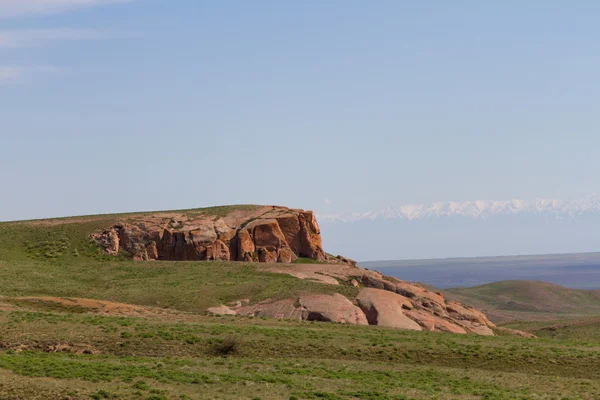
(277, 236)
(383, 301)
(385, 308)
(261, 234)
(312, 307)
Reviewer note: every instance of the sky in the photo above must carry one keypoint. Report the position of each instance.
(337, 106)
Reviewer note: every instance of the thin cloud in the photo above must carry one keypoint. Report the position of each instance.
(13, 74)
(24, 8)
(38, 37)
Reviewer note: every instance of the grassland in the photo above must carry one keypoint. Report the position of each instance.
(53, 352)
(525, 300)
(135, 358)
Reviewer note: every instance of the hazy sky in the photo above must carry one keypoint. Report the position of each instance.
(110, 106)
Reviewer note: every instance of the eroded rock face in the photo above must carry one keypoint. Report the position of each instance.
(334, 308)
(313, 307)
(391, 302)
(385, 308)
(265, 234)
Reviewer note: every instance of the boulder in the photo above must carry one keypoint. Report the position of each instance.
(334, 308)
(431, 322)
(267, 254)
(221, 310)
(286, 255)
(282, 309)
(462, 313)
(385, 308)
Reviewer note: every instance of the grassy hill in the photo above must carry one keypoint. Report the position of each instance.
(55, 258)
(165, 348)
(511, 300)
(575, 330)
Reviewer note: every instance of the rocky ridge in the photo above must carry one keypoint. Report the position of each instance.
(382, 301)
(262, 234)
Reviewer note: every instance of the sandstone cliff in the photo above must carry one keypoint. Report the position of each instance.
(262, 234)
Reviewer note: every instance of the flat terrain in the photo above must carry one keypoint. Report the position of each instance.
(76, 324)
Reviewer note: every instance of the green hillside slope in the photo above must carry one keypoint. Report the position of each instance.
(56, 258)
(508, 300)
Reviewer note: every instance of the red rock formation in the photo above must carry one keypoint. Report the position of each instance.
(391, 302)
(265, 234)
(313, 307)
(385, 308)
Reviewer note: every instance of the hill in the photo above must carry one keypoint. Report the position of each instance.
(578, 330)
(54, 351)
(522, 300)
(80, 323)
(131, 258)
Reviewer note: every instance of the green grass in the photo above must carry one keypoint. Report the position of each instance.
(59, 260)
(188, 356)
(580, 330)
(515, 300)
(284, 359)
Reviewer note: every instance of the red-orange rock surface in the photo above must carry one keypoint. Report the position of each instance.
(311, 307)
(281, 235)
(391, 302)
(385, 308)
(265, 234)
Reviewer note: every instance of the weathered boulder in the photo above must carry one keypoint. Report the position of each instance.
(313, 307)
(221, 310)
(282, 309)
(389, 301)
(385, 308)
(432, 322)
(267, 254)
(334, 308)
(462, 313)
(286, 255)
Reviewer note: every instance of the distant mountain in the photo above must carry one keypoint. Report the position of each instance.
(560, 209)
(465, 229)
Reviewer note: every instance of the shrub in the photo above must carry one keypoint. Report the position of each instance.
(225, 347)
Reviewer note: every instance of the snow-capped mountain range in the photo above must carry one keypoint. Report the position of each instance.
(559, 209)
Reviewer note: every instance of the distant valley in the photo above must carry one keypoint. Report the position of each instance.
(578, 271)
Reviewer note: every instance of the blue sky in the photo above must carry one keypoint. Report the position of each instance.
(109, 106)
